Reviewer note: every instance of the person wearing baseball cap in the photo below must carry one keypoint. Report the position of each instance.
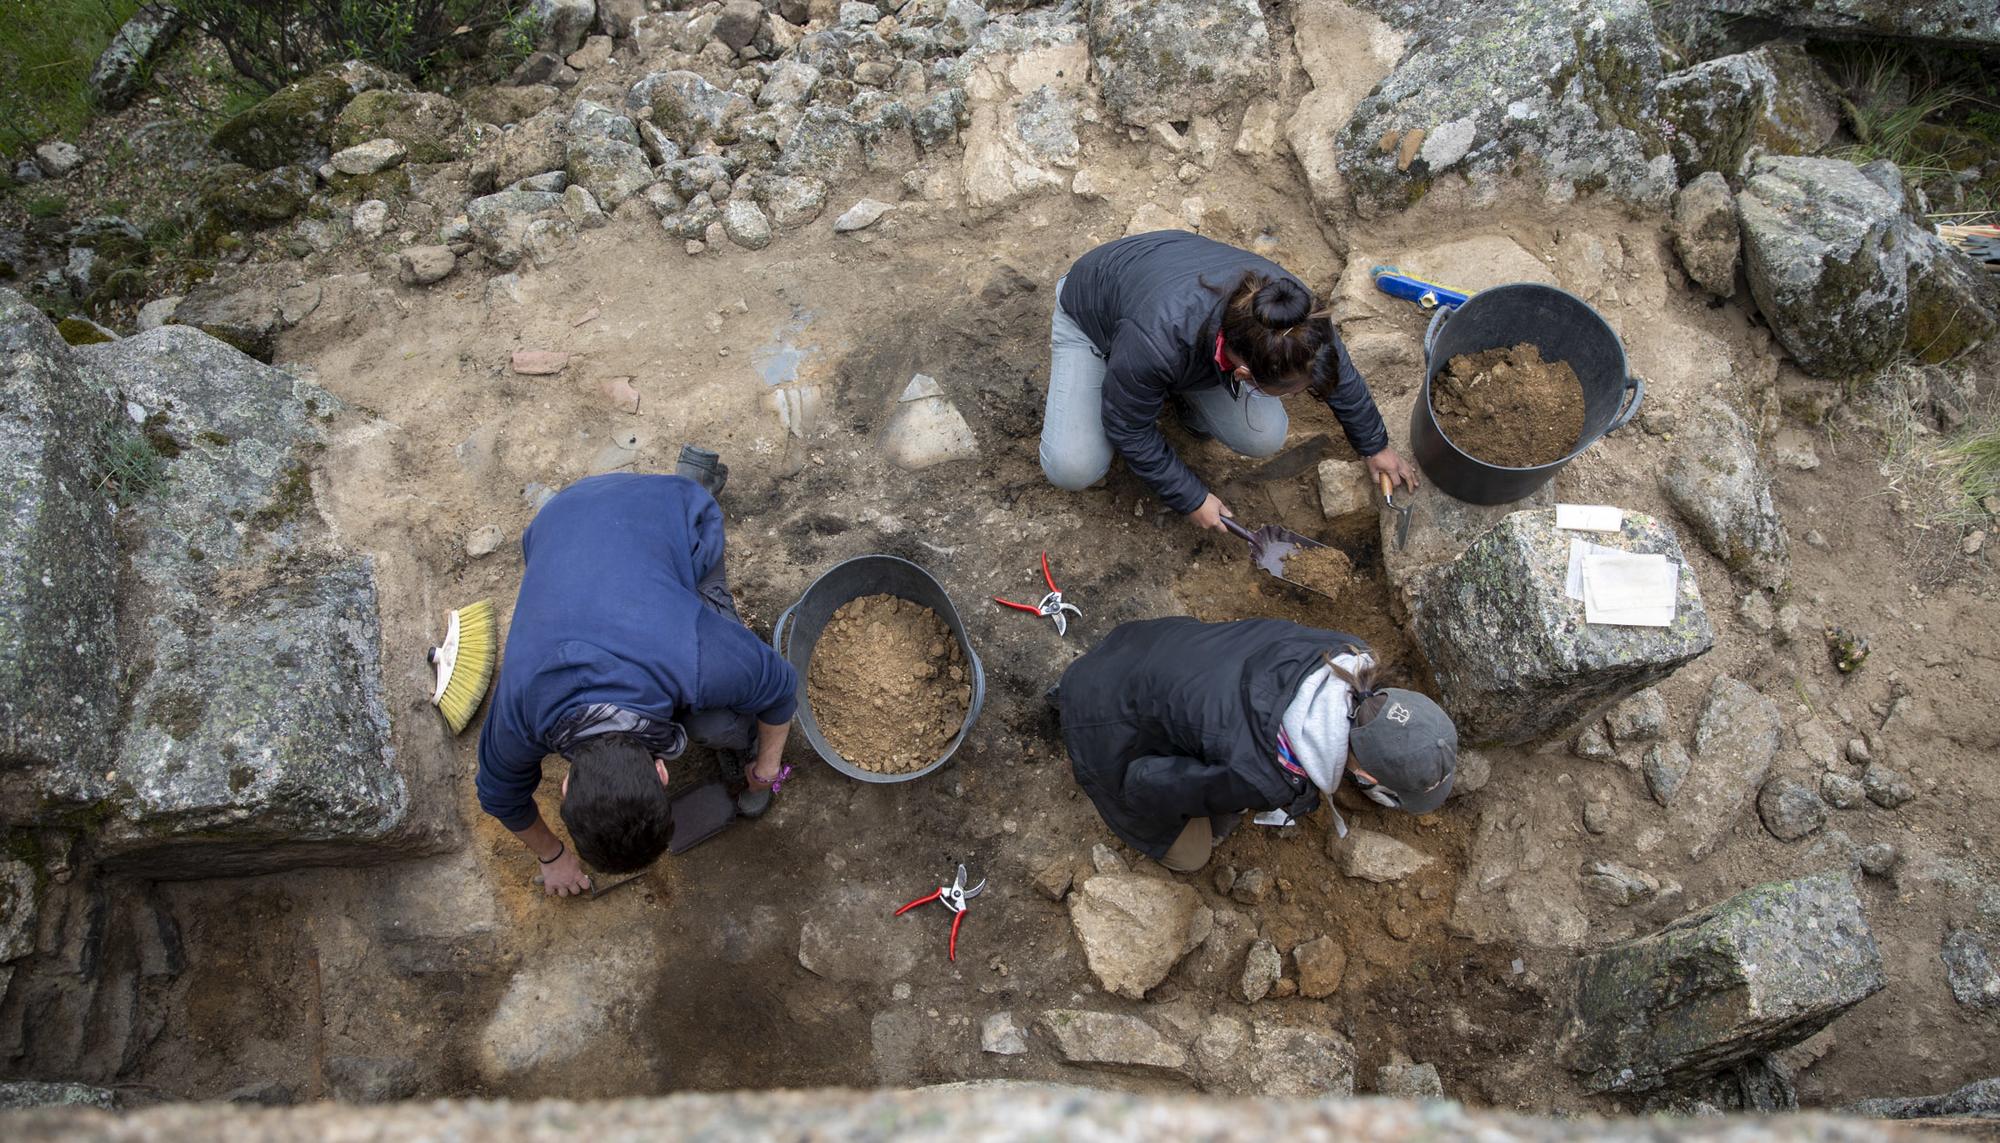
(1176, 727)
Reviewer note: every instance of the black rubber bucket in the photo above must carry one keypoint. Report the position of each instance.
(1564, 328)
(798, 630)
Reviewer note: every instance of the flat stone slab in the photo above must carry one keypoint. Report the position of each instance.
(1745, 977)
(1510, 649)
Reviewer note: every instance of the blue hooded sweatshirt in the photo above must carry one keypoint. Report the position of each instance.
(608, 613)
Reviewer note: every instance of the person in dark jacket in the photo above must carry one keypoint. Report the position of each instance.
(624, 647)
(1176, 727)
(1223, 332)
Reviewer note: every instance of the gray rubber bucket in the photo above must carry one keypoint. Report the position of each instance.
(798, 630)
(1564, 328)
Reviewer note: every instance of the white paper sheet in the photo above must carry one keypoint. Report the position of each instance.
(1578, 549)
(1629, 589)
(1590, 517)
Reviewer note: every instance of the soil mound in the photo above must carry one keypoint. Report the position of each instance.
(1325, 570)
(1508, 407)
(888, 684)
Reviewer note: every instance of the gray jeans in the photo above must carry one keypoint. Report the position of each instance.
(1075, 452)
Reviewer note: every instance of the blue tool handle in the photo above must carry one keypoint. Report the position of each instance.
(1429, 295)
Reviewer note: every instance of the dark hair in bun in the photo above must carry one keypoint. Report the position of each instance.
(1269, 324)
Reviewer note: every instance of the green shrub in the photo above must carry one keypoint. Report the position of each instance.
(273, 42)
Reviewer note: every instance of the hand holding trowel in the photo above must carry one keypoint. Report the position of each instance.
(1402, 510)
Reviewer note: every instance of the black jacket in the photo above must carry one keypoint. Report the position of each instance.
(1171, 719)
(1143, 303)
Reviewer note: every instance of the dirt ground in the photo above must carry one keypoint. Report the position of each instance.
(454, 975)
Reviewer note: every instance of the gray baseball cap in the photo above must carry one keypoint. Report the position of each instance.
(1408, 747)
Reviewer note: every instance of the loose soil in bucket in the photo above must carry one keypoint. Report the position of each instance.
(888, 684)
(1508, 407)
(1325, 570)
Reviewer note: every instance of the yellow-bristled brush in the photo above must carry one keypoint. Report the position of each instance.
(464, 663)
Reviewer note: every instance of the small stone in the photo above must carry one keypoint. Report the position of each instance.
(1376, 857)
(1400, 924)
(1886, 788)
(1054, 879)
(1251, 887)
(1105, 859)
(1475, 769)
(1790, 808)
(423, 265)
(58, 158)
(370, 157)
(1842, 791)
(1285, 987)
(1817, 539)
(745, 224)
(1321, 963)
(1817, 742)
(1597, 816)
(861, 216)
(1969, 968)
(1973, 541)
(1879, 859)
(539, 362)
(1666, 767)
(901, 990)
(1619, 885)
(1409, 1081)
(1593, 743)
(999, 1035)
(371, 218)
(1794, 449)
(695, 246)
(1858, 752)
(1640, 718)
(1262, 966)
(1756, 612)
(484, 540)
(1224, 879)
(1790, 618)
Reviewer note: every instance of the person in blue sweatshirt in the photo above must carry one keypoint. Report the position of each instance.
(624, 647)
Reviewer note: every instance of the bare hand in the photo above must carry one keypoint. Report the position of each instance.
(1210, 514)
(564, 877)
(1390, 463)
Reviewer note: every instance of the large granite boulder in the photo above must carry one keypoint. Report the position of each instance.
(1113, 1040)
(1325, 37)
(1560, 90)
(1510, 649)
(1717, 482)
(120, 72)
(1724, 112)
(1135, 929)
(1751, 975)
(1162, 60)
(432, 128)
(1971, 23)
(1828, 260)
(1706, 237)
(58, 563)
(294, 124)
(257, 736)
(1954, 302)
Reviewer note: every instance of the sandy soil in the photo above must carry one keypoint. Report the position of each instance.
(459, 969)
(887, 685)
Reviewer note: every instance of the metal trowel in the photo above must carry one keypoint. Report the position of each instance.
(1401, 510)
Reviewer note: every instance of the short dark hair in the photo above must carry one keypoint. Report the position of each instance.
(615, 808)
(1269, 324)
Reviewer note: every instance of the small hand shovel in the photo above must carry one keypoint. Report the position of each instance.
(1401, 510)
(1271, 545)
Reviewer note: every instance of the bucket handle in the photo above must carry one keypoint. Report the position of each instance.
(778, 631)
(1436, 327)
(1636, 388)
(978, 685)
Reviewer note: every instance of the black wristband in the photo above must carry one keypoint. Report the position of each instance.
(560, 850)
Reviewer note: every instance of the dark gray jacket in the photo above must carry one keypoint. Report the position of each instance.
(1145, 305)
(1170, 719)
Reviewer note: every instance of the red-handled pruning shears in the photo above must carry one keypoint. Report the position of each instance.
(1051, 606)
(954, 896)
